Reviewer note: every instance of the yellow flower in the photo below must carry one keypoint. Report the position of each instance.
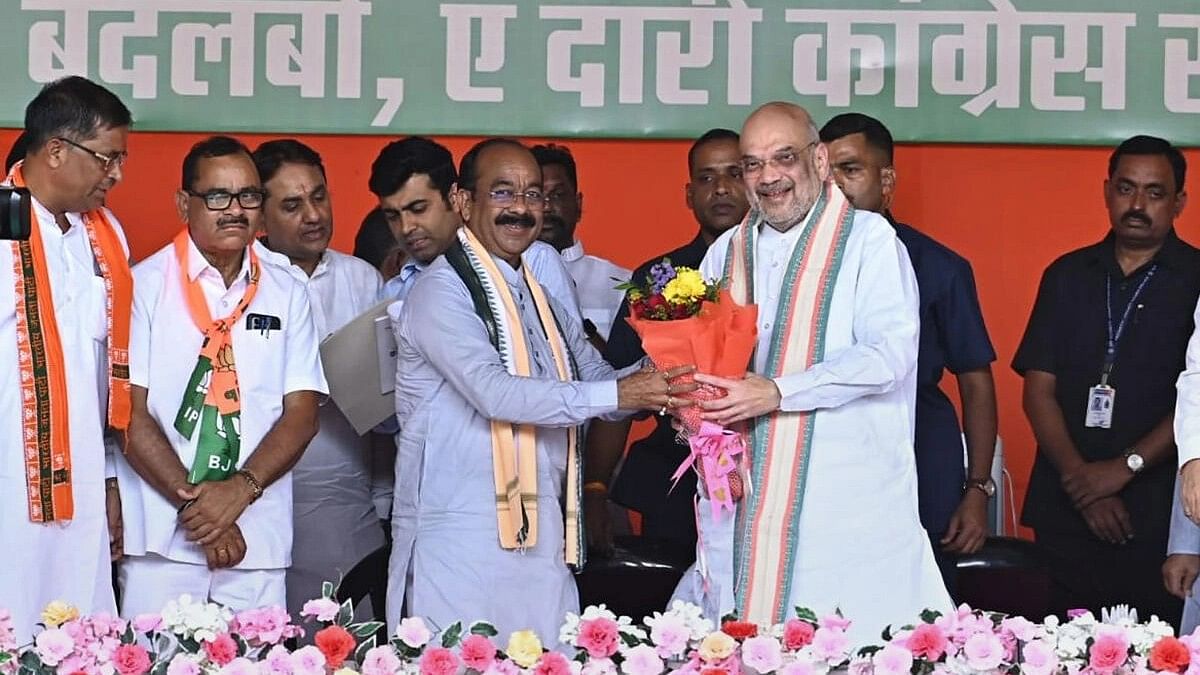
(345, 671)
(524, 648)
(687, 286)
(717, 646)
(57, 613)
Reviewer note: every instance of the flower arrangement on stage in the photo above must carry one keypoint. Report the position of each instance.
(682, 319)
(196, 638)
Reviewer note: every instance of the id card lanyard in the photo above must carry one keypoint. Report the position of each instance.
(1102, 397)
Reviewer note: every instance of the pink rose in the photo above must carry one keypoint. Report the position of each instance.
(1038, 658)
(381, 661)
(413, 632)
(927, 641)
(503, 667)
(600, 637)
(265, 626)
(670, 636)
(308, 660)
(1108, 653)
(477, 652)
(642, 660)
(438, 661)
(762, 653)
(146, 623)
(797, 634)
(834, 621)
(278, 661)
(893, 659)
(183, 664)
(221, 649)
(984, 651)
(239, 666)
(830, 644)
(8, 637)
(131, 660)
(322, 609)
(552, 663)
(53, 645)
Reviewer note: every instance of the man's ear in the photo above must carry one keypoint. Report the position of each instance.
(689, 194)
(181, 204)
(887, 178)
(461, 202)
(1180, 202)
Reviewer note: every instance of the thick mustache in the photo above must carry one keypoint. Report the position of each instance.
(242, 220)
(522, 220)
(1135, 214)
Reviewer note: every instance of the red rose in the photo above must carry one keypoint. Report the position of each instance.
(1169, 654)
(714, 671)
(131, 660)
(221, 649)
(739, 630)
(335, 643)
(438, 661)
(797, 634)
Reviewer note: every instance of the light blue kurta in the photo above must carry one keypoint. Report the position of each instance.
(446, 561)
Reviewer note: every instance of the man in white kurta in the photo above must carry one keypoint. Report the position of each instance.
(240, 562)
(448, 560)
(68, 559)
(334, 524)
(858, 545)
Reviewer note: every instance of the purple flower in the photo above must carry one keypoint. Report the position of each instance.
(660, 275)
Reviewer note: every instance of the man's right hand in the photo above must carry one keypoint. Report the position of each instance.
(228, 550)
(1108, 519)
(597, 523)
(654, 390)
(1179, 573)
(1095, 480)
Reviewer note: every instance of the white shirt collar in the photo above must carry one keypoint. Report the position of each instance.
(280, 260)
(573, 252)
(197, 263)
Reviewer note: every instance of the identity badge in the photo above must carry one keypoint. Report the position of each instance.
(1100, 406)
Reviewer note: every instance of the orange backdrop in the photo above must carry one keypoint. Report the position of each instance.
(1009, 210)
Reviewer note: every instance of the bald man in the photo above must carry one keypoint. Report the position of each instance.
(829, 520)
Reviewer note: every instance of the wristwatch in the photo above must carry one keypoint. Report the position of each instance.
(985, 485)
(1134, 461)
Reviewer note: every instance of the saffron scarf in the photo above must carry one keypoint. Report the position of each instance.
(212, 398)
(514, 455)
(781, 442)
(46, 436)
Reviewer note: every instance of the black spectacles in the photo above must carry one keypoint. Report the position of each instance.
(784, 159)
(219, 200)
(107, 162)
(534, 199)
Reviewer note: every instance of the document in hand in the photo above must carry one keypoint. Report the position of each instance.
(360, 366)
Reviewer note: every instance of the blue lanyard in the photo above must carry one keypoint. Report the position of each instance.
(1114, 335)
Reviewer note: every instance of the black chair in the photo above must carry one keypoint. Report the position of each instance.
(368, 579)
(637, 579)
(1007, 575)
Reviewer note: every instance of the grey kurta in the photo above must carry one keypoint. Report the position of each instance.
(446, 557)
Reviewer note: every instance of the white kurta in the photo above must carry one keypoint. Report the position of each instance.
(860, 544)
(334, 524)
(596, 280)
(59, 561)
(446, 561)
(164, 345)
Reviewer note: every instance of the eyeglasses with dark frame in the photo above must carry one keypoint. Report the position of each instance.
(106, 161)
(784, 159)
(504, 197)
(219, 200)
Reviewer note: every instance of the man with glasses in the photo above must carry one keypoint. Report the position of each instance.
(493, 382)
(829, 402)
(226, 384)
(65, 303)
(595, 278)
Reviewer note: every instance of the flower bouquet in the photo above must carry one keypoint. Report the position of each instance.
(683, 319)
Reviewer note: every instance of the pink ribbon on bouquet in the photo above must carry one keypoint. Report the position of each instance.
(715, 448)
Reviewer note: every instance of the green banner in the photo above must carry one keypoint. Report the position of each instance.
(1019, 71)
